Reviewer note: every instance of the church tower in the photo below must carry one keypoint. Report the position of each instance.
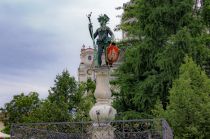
(85, 68)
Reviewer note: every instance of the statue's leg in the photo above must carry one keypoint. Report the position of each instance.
(105, 51)
(100, 51)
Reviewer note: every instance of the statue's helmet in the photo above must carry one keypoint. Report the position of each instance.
(103, 18)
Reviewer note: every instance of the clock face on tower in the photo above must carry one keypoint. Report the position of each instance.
(89, 71)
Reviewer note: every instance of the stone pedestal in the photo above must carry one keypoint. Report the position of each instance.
(103, 132)
(102, 112)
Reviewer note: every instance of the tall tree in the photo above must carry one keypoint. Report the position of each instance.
(189, 108)
(168, 31)
(64, 89)
(206, 13)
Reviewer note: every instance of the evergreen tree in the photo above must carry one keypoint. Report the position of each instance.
(189, 109)
(206, 13)
(168, 30)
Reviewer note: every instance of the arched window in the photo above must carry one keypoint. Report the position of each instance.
(89, 58)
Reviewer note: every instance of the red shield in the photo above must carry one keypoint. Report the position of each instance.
(112, 53)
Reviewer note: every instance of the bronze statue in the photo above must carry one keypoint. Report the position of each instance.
(104, 37)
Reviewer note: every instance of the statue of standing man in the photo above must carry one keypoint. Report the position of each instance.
(104, 37)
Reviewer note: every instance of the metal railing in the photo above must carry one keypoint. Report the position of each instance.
(123, 129)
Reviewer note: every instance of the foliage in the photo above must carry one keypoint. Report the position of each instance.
(130, 20)
(167, 31)
(64, 89)
(85, 100)
(206, 13)
(63, 97)
(189, 108)
(49, 112)
(90, 86)
(20, 106)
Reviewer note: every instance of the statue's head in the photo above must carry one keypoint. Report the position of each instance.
(103, 19)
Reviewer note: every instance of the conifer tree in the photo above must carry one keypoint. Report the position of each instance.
(168, 30)
(189, 108)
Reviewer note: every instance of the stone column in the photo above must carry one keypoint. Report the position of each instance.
(102, 112)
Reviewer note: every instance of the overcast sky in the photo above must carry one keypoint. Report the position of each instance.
(41, 38)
